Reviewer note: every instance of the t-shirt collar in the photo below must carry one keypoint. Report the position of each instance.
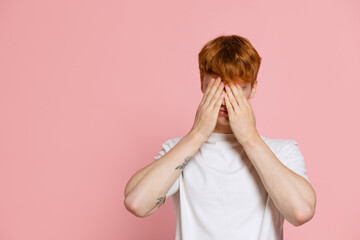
(216, 137)
(221, 137)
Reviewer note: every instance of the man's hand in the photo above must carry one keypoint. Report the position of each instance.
(208, 110)
(241, 115)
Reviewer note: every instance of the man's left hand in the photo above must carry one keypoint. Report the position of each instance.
(241, 115)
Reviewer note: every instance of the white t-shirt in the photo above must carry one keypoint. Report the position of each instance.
(219, 194)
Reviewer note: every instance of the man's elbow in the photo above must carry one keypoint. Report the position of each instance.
(303, 216)
(132, 208)
(305, 213)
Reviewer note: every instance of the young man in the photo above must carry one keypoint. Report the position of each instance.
(227, 181)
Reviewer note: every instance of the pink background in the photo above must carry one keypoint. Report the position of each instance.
(90, 89)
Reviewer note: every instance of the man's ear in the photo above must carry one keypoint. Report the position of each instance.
(253, 90)
(201, 85)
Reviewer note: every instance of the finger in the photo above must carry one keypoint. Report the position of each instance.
(211, 82)
(236, 94)
(242, 94)
(233, 100)
(216, 96)
(219, 101)
(212, 91)
(229, 106)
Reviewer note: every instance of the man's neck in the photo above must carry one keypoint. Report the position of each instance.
(223, 129)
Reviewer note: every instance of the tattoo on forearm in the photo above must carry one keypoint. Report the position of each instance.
(159, 200)
(182, 166)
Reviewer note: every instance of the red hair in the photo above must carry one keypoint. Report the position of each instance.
(230, 57)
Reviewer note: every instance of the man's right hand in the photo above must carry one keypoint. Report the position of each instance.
(208, 110)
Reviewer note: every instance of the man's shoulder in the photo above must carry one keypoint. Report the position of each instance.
(166, 146)
(173, 141)
(277, 144)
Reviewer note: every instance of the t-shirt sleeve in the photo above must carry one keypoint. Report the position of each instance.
(293, 159)
(164, 149)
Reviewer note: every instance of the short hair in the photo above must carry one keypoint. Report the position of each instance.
(229, 57)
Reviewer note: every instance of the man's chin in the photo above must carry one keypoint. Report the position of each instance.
(225, 116)
(223, 120)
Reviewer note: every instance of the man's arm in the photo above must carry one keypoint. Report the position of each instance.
(291, 193)
(146, 190)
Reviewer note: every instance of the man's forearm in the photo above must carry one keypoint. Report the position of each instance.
(291, 193)
(151, 189)
(134, 180)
